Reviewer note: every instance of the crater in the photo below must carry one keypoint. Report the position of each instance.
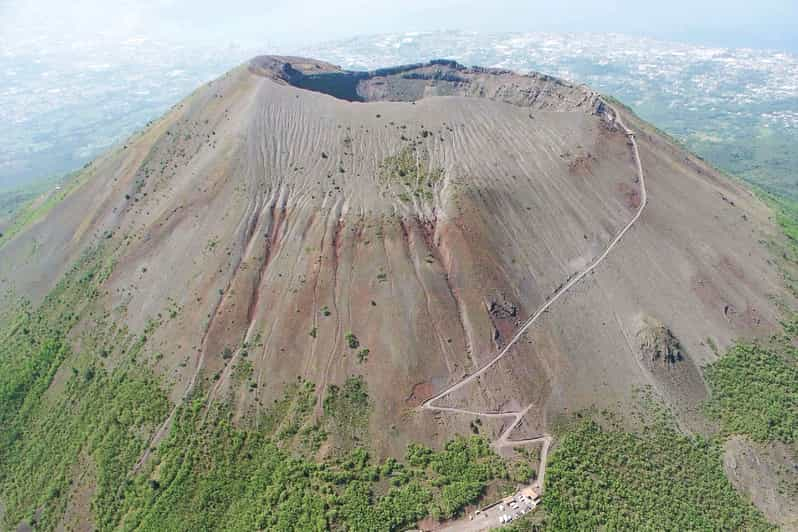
(401, 83)
(410, 83)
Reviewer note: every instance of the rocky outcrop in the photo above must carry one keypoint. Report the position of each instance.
(657, 343)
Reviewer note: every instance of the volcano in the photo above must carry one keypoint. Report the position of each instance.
(472, 242)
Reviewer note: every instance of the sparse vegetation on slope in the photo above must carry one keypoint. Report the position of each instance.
(32, 209)
(346, 410)
(410, 168)
(785, 251)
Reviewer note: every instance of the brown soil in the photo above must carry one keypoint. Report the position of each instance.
(421, 392)
(766, 474)
(631, 195)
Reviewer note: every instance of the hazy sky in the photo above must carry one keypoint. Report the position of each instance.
(261, 23)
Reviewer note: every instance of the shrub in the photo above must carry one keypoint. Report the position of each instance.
(352, 341)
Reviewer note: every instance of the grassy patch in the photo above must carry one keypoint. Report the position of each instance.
(242, 371)
(785, 250)
(286, 417)
(410, 169)
(347, 410)
(14, 199)
(36, 209)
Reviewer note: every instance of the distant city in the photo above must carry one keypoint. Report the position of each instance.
(60, 106)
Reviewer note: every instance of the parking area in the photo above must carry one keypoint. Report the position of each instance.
(501, 513)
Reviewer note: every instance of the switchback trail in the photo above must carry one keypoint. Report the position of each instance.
(504, 439)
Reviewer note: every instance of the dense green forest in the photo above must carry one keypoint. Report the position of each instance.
(754, 390)
(211, 475)
(657, 479)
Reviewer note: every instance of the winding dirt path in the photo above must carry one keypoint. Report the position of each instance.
(504, 439)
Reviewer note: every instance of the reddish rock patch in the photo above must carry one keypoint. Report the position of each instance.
(421, 392)
(631, 195)
(582, 166)
(728, 265)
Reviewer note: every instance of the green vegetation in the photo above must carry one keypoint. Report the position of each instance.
(754, 389)
(211, 475)
(411, 169)
(12, 200)
(26, 207)
(758, 152)
(659, 479)
(95, 419)
(53, 417)
(351, 340)
(363, 355)
(242, 371)
(785, 250)
(462, 469)
(761, 155)
(32, 346)
(410, 166)
(287, 416)
(786, 216)
(347, 410)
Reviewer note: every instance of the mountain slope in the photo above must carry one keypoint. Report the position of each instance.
(264, 231)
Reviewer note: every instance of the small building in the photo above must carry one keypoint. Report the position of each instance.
(531, 493)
